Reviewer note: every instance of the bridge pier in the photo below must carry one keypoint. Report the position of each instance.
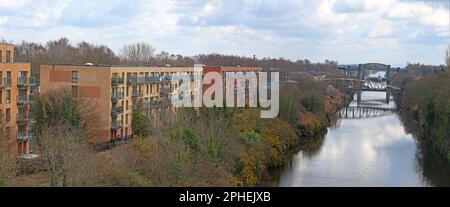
(388, 97)
(360, 72)
(388, 74)
(359, 98)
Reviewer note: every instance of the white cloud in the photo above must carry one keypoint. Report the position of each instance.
(17, 4)
(349, 31)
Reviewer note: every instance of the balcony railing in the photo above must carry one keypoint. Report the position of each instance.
(165, 90)
(136, 80)
(116, 126)
(152, 104)
(116, 111)
(23, 99)
(22, 118)
(137, 94)
(168, 78)
(8, 82)
(23, 137)
(153, 79)
(22, 82)
(117, 96)
(117, 81)
(33, 81)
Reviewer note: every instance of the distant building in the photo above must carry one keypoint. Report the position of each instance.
(15, 83)
(117, 90)
(223, 70)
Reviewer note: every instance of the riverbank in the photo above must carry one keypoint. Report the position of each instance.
(363, 151)
(425, 110)
(228, 147)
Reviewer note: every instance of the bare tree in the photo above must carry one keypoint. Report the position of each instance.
(97, 54)
(137, 53)
(447, 59)
(60, 52)
(8, 168)
(7, 162)
(67, 156)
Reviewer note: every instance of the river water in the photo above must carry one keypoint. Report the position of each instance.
(365, 151)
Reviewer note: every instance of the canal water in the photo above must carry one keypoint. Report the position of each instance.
(366, 147)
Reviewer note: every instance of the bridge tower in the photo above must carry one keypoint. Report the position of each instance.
(360, 77)
(388, 82)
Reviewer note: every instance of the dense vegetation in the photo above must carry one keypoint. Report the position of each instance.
(426, 102)
(208, 147)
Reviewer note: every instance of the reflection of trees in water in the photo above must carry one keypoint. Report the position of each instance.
(434, 168)
(312, 146)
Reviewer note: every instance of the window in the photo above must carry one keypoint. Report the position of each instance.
(8, 131)
(74, 76)
(8, 115)
(22, 112)
(148, 91)
(8, 56)
(74, 91)
(1, 97)
(126, 106)
(22, 131)
(127, 91)
(23, 92)
(126, 119)
(8, 79)
(8, 97)
(1, 56)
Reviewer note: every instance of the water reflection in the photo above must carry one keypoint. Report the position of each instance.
(364, 152)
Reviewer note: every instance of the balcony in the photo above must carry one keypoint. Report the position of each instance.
(153, 104)
(168, 78)
(33, 81)
(116, 126)
(7, 82)
(22, 82)
(165, 90)
(136, 80)
(153, 79)
(137, 94)
(117, 96)
(23, 100)
(22, 118)
(23, 137)
(117, 81)
(116, 111)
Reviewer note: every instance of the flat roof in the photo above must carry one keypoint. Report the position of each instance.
(118, 66)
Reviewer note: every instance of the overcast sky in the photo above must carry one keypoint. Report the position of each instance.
(349, 31)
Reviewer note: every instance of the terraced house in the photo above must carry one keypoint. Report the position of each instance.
(15, 83)
(117, 90)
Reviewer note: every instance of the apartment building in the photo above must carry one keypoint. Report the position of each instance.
(15, 83)
(223, 70)
(117, 90)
